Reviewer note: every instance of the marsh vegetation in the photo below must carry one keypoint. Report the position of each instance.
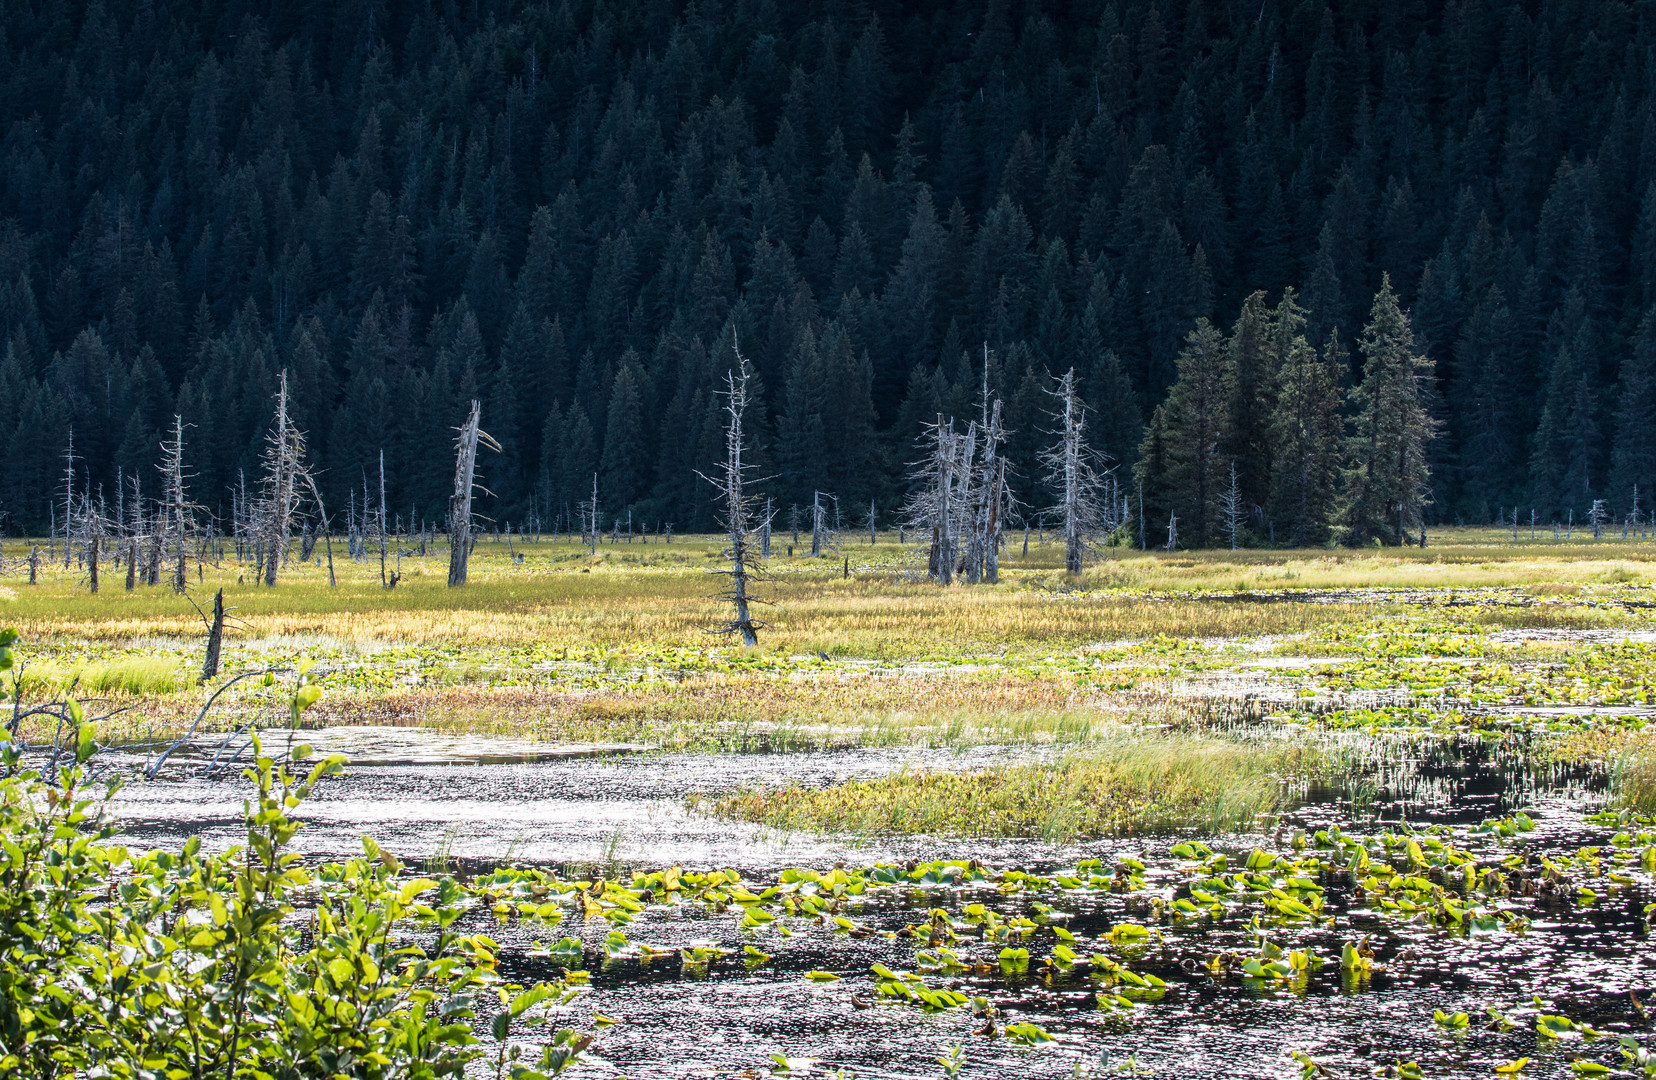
(1343, 811)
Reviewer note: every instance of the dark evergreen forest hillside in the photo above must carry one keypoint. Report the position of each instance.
(567, 209)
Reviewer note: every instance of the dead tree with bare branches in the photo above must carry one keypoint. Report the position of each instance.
(89, 530)
(935, 504)
(1076, 472)
(736, 506)
(465, 482)
(177, 518)
(68, 497)
(285, 477)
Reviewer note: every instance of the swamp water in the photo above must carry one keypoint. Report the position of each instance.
(476, 803)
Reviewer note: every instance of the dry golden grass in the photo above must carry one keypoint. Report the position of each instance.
(655, 595)
(647, 604)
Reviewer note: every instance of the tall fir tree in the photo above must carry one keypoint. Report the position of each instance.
(1306, 429)
(1387, 479)
(1182, 460)
(1633, 455)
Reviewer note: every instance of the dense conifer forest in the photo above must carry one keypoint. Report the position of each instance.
(569, 211)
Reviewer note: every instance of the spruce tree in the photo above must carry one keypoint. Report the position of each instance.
(1305, 429)
(1633, 455)
(1252, 366)
(626, 461)
(1182, 461)
(1566, 448)
(1387, 480)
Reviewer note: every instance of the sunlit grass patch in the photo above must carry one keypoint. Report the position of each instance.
(126, 676)
(1132, 784)
(1634, 776)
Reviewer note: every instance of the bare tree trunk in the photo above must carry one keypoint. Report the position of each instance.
(327, 533)
(34, 563)
(68, 495)
(284, 469)
(382, 519)
(92, 562)
(460, 503)
(1072, 484)
(152, 560)
(177, 508)
(997, 489)
(816, 524)
(592, 534)
(736, 507)
(215, 639)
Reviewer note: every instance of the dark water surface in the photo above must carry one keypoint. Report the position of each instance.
(624, 811)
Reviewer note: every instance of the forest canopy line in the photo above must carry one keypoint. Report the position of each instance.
(567, 211)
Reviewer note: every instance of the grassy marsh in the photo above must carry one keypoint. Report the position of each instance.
(567, 646)
(1121, 785)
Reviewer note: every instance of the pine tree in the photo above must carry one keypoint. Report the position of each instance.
(1249, 355)
(1186, 437)
(624, 475)
(1305, 429)
(1386, 477)
(1633, 455)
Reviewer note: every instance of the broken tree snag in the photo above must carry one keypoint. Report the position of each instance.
(68, 497)
(934, 507)
(136, 534)
(382, 512)
(735, 506)
(460, 503)
(215, 639)
(322, 515)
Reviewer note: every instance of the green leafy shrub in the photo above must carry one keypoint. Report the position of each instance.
(245, 964)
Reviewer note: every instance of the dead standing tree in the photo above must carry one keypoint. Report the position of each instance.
(322, 519)
(988, 492)
(88, 529)
(1073, 471)
(177, 518)
(285, 475)
(68, 497)
(935, 503)
(1235, 512)
(736, 506)
(465, 480)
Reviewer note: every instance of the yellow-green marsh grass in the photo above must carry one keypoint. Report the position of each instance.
(657, 594)
(1628, 758)
(765, 713)
(1633, 773)
(646, 607)
(1128, 784)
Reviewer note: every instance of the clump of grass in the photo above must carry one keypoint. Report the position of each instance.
(126, 676)
(1633, 773)
(1130, 785)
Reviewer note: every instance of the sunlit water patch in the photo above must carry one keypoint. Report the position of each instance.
(1574, 935)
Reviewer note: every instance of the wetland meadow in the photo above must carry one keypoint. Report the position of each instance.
(1325, 813)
